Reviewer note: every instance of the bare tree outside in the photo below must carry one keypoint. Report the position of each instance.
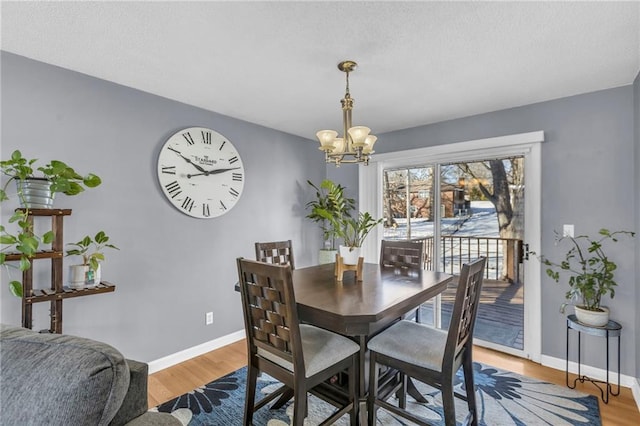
(502, 183)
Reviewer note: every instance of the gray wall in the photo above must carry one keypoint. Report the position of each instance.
(171, 268)
(588, 168)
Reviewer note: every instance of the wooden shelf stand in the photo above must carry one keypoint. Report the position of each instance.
(57, 292)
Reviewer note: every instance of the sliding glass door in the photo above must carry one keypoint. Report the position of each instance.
(462, 210)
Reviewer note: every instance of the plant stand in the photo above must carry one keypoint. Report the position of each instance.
(341, 268)
(612, 329)
(56, 293)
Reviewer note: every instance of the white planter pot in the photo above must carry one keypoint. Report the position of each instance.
(327, 256)
(78, 276)
(350, 255)
(592, 318)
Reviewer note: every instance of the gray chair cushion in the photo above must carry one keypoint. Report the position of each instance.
(411, 342)
(59, 379)
(321, 349)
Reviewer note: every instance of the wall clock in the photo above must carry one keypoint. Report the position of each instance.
(200, 172)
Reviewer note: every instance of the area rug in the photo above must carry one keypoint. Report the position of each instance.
(503, 399)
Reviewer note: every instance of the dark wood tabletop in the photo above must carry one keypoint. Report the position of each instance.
(363, 308)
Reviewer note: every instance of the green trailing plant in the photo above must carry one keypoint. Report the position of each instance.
(63, 178)
(591, 272)
(23, 242)
(91, 249)
(330, 202)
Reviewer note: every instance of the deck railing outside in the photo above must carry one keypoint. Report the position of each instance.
(504, 255)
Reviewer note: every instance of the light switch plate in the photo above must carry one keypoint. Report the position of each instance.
(567, 230)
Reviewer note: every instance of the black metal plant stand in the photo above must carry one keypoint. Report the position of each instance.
(612, 329)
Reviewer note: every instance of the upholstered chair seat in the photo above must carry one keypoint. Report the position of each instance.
(401, 343)
(320, 348)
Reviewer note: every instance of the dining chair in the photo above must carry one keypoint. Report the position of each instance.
(277, 252)
(402, 254)
(430, 355)
(301, 356)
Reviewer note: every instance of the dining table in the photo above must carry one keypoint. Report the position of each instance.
(360, 309)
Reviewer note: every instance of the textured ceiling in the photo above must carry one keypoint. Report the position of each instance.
(274, 63)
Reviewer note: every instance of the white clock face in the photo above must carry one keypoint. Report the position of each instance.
(201, 172)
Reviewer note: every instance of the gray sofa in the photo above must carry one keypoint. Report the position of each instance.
(57, 379)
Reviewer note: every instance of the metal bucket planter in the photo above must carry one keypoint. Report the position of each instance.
(35, 193)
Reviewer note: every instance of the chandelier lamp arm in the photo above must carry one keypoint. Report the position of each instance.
(356, 144)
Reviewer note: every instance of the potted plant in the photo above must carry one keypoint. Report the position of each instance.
(590, 272)
(330, 201)
(24, 243)
(353, 232)
(33, 192)
(91, 251)
(39, 191)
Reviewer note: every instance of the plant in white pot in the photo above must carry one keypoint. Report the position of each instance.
(330, 201)
(590, 272)
(91, 251)
(353, 232)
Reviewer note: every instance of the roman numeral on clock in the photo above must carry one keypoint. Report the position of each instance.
(223, 142)
(237, 177)
(187, 204)
(188, 138)
(170, 170)
(206, 137)
(222, 205)
(173, 188)
(233, 160)
(205, 210)
(233, 192)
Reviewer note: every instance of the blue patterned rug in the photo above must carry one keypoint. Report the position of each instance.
(503, 399)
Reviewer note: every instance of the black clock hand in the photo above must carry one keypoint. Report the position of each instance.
(212, 172)
(188, 161)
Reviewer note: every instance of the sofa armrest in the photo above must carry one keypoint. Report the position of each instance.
(135, 401)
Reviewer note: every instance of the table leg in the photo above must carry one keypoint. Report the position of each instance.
(414, 392)
(362, 385)
(566, 371)
(608, 386)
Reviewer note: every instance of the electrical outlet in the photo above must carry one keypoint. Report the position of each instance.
(209, 318)
(567, 230)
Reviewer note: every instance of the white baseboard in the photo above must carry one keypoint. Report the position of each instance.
(635, 389)
(187, 354)
(592, 372)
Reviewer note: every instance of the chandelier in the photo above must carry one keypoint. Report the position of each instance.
(357, 144)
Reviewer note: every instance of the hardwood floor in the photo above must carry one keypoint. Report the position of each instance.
(179, 379)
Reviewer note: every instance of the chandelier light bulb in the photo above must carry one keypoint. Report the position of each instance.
(358, 135)
(338, 146)
(368, 144)
(326, 138)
